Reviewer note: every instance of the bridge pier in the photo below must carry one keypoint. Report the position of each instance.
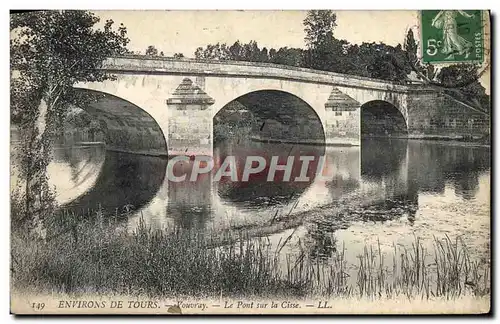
(190, 123)
(342, 120)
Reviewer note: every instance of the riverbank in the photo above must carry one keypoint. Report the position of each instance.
(438, 139)
(451, 142)
(339, 142)
(101, 257)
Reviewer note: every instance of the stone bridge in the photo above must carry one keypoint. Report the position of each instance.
(168, 106)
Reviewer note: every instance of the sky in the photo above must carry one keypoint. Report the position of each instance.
(184, 31)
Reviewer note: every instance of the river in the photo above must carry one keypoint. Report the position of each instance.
(387, 190)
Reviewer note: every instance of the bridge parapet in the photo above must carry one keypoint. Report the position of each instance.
(160, 65)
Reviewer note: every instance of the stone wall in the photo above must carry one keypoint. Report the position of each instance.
(433, 114)
(342, 119)
(342, 127)
(189, 120)
(190, 130)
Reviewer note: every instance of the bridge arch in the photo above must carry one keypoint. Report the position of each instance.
(381, 118)
(271, 115)
(286, 124)
(127, 127)
(130, 172)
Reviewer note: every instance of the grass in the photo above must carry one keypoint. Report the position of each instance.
(98, 255)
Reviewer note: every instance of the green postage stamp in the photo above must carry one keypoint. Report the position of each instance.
(452, 36)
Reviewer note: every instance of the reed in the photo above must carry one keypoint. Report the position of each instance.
(97, 254)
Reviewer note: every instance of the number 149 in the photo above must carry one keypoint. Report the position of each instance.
(38, 306)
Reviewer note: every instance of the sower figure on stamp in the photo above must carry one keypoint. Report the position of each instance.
(453, 43)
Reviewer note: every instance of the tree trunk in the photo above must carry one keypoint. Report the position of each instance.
(38, 201)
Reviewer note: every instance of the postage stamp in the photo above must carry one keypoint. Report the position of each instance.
(452, 36)
(249, 162)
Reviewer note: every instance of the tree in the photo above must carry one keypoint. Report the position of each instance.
(426, 70)
(213, 52)
(151, 51)
(50, 52)
(319, 25)
(178, 55)
(251, 52)
(386, 62)
(324, 52)
(198, 54)
(286, 56)
(460, 81)
(411, 47)
(264, 55)
(328, 53)
(236, 51)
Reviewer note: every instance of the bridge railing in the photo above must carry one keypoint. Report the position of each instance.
(187, 66)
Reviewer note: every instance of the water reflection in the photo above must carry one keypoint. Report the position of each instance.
(433, 165)
(75, 169)
(189, 202)
(343, 170)
(401, 171)
(382, 181)
(125, 180)
(258, 192)
(382, 158)
(324, 242)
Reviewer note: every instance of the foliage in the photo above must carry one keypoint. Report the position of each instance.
(233, 125)
(375, 60)
(424, 71)
(319, 25)
(323, 52)
(79, 119)
(386, 62)
(213, 52)
(463, 81)
(50, 52)
(286, 56)
(95, 253)
(411, 47)
(460, 81)
(250, 52)
(151, 51)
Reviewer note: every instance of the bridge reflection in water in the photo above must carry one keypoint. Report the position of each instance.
(120, 180)
(380, 181)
